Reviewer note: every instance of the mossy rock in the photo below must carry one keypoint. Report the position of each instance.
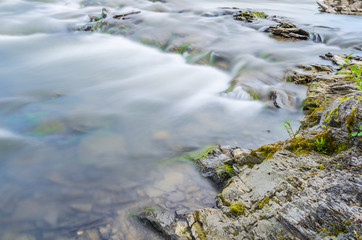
(237, 208)
(312, 119)
(305, 145)
(267, 151)
(248, 16)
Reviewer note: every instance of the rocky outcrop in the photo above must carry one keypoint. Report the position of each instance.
(349, 7)
(289, 195)
(287, 30)
(324, 83)
(307, 187)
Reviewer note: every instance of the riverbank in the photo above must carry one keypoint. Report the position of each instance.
(306, 187)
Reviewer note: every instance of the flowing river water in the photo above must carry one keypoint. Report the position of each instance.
(92, 125)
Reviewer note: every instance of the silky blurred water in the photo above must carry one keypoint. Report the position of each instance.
(90, 121)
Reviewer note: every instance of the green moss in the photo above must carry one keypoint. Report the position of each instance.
(154, 43)
(259, 14)
(202, 152)
(335, 229)
(295, 182)
(276, 201)
(342, 147)
(250, 165)
(330, 146)
(224, 172)
(345, 98)
(226, 167)
(314, 102)
(194, 155)
(335, 111)
(201, 232)
(155, 208)
(267, 151)
(287, 25)
(237, 208)
(180, 49)
(289, 78)
(263, 202)
(312, 119)
(350, 119)
(330, 114)
(231, 88)
(302, 145)
(321, 167)
(249, 15)
(254, 95)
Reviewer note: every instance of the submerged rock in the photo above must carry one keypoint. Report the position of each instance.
(106, 22)
(283, 99)
(170, 225)
(349, 7)
(95, 18)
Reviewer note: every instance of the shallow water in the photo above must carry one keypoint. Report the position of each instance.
(91, 123)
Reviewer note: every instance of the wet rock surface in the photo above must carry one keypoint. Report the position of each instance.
(325, 84)
(296, 189)
(349, 7)
(288, 30)
(284, 30)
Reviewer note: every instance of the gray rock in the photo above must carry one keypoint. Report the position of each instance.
(343, 116)
(349, 7)
(287, 30)
(166, 223)
(284, 196)
(217, 165)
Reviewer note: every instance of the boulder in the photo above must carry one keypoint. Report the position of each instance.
(287, 30)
